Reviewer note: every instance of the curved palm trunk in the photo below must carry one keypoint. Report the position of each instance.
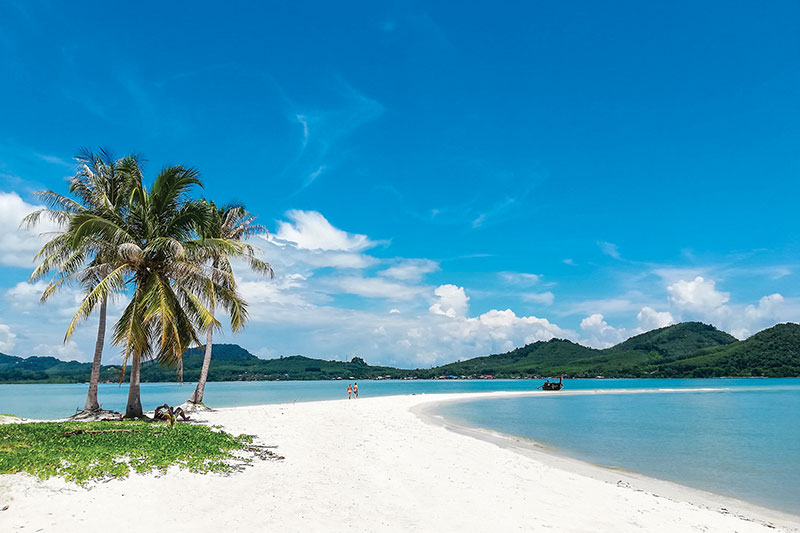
(197, 396)
(134, 407)
(91, 399)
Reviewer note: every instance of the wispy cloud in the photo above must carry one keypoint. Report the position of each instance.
(609, 248)
(410, 269)
(54, 160)
(304, 122)
(324, 131)
(546, 297)
(499, 208)
(520, 278)
(313, 176)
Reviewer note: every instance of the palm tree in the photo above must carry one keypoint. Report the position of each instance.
(227, 223)
(100, 182)
(162, 263)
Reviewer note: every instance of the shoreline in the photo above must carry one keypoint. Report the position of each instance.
(376, 464)
(24, 400)
(428, 412)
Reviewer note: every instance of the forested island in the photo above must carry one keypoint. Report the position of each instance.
(686, 350)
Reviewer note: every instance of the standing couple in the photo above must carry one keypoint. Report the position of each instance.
(352, 391)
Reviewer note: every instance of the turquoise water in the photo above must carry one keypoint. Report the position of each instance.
(59, 401)
(743, 442)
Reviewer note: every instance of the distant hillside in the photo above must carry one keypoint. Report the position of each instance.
(773, 352)
(42, 369)
(534, 359)
(689, 349)
(230, 362)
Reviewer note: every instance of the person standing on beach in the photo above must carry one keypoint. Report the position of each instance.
(355, 390)
(349, 390)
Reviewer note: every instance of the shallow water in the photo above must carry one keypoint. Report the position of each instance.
(59, 401)
(742, 442)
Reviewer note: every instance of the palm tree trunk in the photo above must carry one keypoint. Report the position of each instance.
(197, 396)
(134, 407)
(91, 399)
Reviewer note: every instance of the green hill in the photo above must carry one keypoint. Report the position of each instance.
(534, 359)
(644, 354)
(774, 352)
(689, 349)
(230, 362)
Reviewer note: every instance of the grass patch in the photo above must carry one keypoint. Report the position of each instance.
(82, 451)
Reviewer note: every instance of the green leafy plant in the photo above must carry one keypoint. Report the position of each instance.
(83, 451)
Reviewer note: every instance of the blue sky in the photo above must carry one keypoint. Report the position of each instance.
(438, 183)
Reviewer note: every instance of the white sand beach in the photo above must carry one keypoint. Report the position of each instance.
(379, 464)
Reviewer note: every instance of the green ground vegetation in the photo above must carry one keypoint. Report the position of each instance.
(83, 451)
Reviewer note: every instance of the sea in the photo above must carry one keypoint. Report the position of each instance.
(741, 441)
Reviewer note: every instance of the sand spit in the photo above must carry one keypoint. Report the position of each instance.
(380, 464)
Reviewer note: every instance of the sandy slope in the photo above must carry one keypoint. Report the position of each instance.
(372, 465)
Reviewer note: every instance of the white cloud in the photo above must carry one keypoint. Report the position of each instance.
(25, 293)
(309, 230)
(546, 298)
(67, 351)
(288, 256)
(7, 339)
(601, 335)
(304, 122)
(594, 322)
(453, 301)
(700, 299)
(699, 295)
(18, 246)
(520, 278)
(609, 248)
(650, 319)
(404, 338)
(376, 288)
(411, 269)
(498, 330)
(753, 318)
(768, 307)
(448, 337)
(25, 298)
(671, 275)
(261, 292)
